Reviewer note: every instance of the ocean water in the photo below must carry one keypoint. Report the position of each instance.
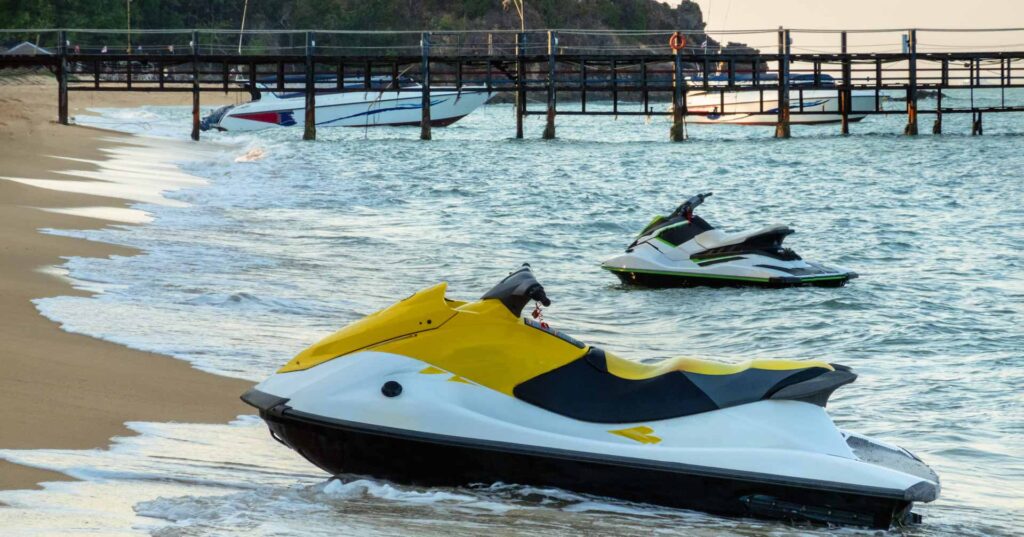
(290, 240)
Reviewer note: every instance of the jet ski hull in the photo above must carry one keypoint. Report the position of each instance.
(426, 459)
(439, 392)
(651, 278)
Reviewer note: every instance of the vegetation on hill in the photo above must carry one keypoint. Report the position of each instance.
(349, 14)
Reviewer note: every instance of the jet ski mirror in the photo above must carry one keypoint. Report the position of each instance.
(517, 290)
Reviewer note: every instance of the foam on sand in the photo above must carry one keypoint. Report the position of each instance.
(112, 214)
(252, 155)
(139, 169)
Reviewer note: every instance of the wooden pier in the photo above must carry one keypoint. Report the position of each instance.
(574, 79)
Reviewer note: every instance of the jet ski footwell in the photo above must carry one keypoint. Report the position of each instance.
(427, 459)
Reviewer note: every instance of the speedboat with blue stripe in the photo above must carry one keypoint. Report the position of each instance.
(357, 102)
(684, 250)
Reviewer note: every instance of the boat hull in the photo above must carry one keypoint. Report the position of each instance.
(424, 459)
(354, 109)
(746, 107)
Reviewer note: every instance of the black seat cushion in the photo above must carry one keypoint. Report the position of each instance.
(584, 390)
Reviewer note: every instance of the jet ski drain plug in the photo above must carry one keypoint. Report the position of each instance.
(391, 389)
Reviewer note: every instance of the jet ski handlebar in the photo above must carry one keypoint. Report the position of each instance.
(686, 209)
(517, 290)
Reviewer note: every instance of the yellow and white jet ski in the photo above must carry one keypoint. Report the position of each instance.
(438, 392)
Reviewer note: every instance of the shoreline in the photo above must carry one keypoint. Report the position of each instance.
(66, 390)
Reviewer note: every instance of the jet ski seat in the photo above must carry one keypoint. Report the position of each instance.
(716, 238)
(601, 387)
(630, 369)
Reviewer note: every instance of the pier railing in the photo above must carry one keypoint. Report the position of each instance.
(570, 72)
(499, 42)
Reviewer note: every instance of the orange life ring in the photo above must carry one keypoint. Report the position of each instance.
(677, 42)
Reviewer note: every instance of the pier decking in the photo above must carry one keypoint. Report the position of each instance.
(575, 76)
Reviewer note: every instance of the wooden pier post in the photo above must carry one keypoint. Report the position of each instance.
(520, 84)
(549, 128)
(195, 85)
(937, 126)
(782, 126)
(62, 79)
(845, 93)
(425, 75)
(911, 129)
(615, 88)
(310, 123)
(977, 127)
(645, 96)
(677, 134)
(254, 93)
(583, 85)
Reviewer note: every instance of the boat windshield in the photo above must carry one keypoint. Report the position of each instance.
(742, 78)
(329, 84)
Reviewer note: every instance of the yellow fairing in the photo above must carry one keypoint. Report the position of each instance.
(479, 341)
(629, 369)
(488, 345)
(424, 311)
(484, 343)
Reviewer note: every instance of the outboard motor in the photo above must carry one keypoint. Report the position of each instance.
(213, 120)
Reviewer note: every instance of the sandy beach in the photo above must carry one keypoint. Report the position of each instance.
(64, 390)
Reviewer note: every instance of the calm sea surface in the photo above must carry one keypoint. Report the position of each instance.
(277, 252)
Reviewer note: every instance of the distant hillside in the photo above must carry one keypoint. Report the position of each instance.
(350, 14)
(355, 15)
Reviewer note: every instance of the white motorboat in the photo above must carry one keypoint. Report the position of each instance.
(382, 102)
(750, 106)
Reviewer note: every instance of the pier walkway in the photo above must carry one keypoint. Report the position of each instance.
(558, 72)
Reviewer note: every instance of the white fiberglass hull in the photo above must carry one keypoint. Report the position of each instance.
(795, 441)
(354, 109)
(746, 107)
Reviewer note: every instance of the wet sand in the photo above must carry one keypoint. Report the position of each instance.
(64, 390)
